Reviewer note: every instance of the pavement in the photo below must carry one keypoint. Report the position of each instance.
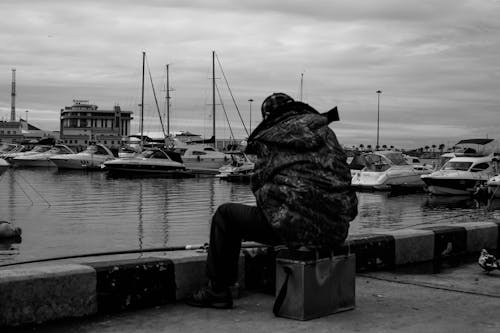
(419, 298)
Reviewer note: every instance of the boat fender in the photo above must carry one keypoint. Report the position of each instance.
(9, 231)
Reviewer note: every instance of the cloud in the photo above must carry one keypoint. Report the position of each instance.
(434, 61)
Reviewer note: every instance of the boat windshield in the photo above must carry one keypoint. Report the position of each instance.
(95, 150)
(60, 150)
(376, 162)
(154, 154)
(396, 158)
(460, 166)
(40, 149)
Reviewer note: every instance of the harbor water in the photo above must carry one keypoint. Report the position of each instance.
(75, 212)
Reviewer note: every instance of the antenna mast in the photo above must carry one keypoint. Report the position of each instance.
(168, 104)
(213, 95)
(301, 85)
(13, 97)
(142, 98)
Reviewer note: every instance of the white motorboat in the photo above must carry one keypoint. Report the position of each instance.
(91, 158)
(152, 161)
(461, 175)
(23, 150)
(3, 165)
(240, 168)
(493, 185)
(201, 158)
(384, 169)
(5, 148)
(41, 159)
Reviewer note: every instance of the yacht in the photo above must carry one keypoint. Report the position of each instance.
(7, 147)
(203, 159)
(493, 186)
(384, 169)
(41, 159)
(461, 175)
(23, 150)
(240, 168)
(3, 165)
(91, 158)
(152, 161)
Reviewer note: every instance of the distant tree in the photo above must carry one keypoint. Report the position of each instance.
(441, 148)
(426, 148)
(361, 146)
(392, 147)
(433, 147)
(369, 147)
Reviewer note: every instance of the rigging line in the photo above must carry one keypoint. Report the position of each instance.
(225, 113)
(231, 93)
(26, 194)
(156, 99)
(34, 189)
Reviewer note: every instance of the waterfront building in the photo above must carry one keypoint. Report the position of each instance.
(22, 131)
(83, 122)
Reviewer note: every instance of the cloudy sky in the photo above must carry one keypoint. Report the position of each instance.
(436, 62)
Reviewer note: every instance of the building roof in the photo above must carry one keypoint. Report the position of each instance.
(475, 141)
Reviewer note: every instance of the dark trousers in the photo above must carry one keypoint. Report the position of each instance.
(231, 224)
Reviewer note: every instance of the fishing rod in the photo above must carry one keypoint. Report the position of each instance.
(153, 249)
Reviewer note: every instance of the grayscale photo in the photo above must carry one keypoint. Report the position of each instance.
(249, 166)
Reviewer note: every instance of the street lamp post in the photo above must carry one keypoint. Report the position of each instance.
(378, 116)
(26, 116)
(250, 102)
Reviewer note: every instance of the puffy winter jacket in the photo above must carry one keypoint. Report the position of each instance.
(301, 179)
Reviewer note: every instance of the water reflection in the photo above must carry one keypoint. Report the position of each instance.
(71, 212)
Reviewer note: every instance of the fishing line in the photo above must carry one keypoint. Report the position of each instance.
(433, 221)
(154, 249)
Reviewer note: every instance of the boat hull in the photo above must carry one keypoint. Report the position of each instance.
(383, 181)
(146, 170)
(204, 166)
(493, 186)
(32, 163)
(78, 163)
(443, 186)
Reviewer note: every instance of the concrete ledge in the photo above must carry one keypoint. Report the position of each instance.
(38, 294)
(412, 246)
(480, 235)
(45, 293)
(134, 283)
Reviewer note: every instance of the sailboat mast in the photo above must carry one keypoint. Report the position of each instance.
(301, 85)
(142, 98)
(168, 104)
(213, 95)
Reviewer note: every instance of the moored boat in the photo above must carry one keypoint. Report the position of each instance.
(91, 158)
(493, 186)
(240, 168)
(461, 175)
(41, 159)
(384, 169)
(24, 150)
(152, 161)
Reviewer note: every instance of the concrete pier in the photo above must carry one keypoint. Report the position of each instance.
(102, 291)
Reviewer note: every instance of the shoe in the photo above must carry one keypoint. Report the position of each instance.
(207, 298)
